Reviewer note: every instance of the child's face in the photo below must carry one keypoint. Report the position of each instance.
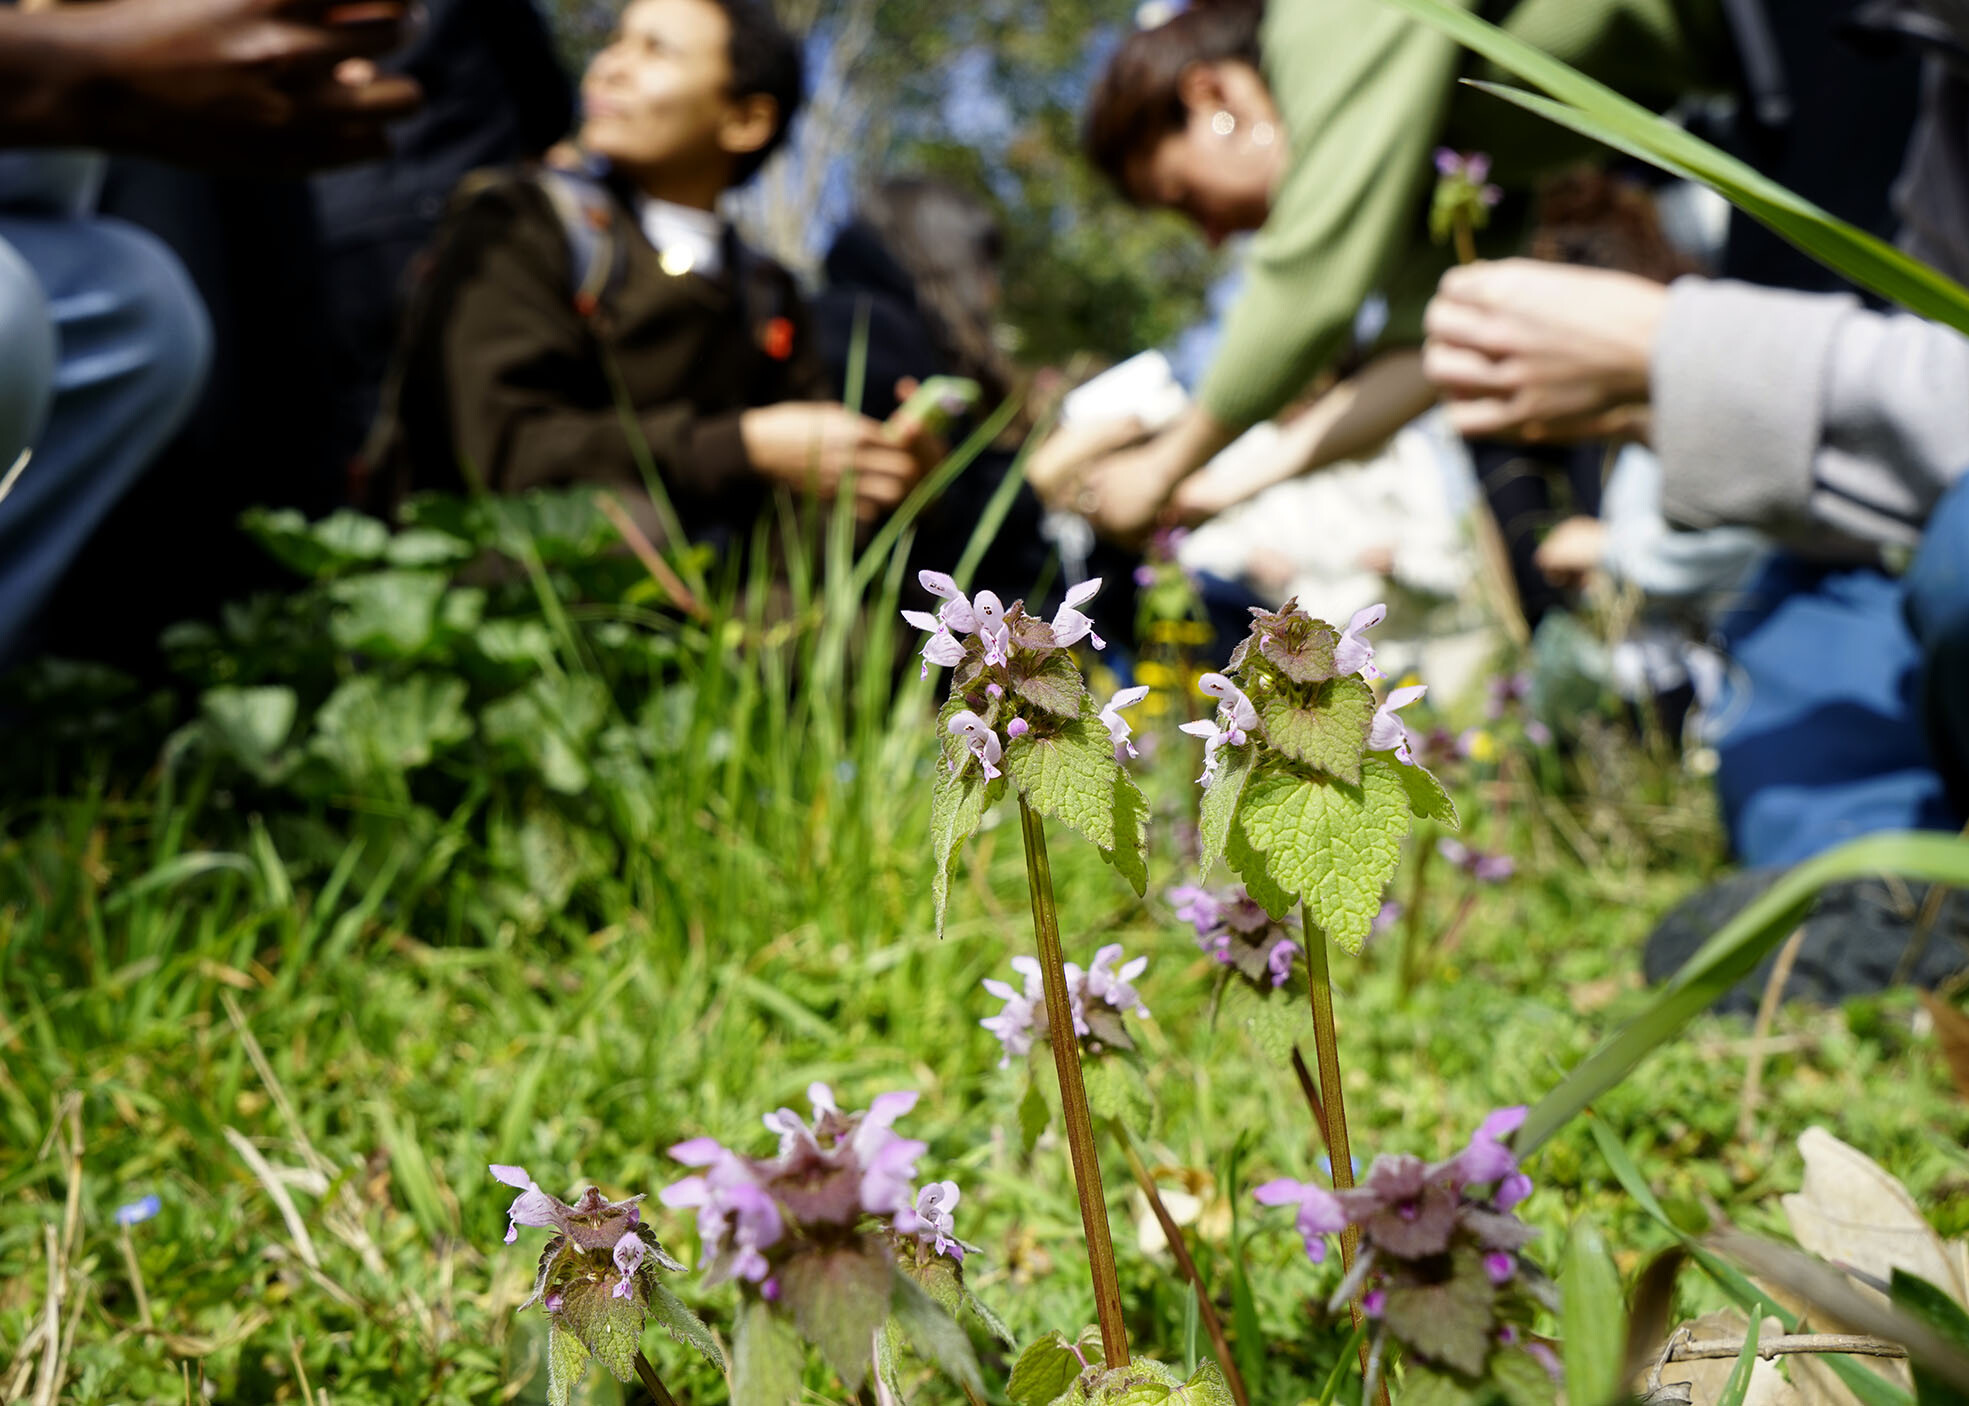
(658, 97)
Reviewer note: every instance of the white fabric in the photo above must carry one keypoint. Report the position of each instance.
(690, 240)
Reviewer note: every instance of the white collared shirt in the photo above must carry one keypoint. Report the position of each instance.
(687, 240)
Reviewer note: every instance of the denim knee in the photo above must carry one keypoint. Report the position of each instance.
(27, 356)
(147, 329)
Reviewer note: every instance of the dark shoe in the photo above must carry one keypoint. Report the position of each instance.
(1856, 939)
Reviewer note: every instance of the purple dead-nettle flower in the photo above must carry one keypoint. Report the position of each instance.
(1354, 655)
(1118, 729)
(980, 741)
(1279, 963)
(1485, 868)
(1473, 168)
(737, 1218)
(1320, 1215)
(1402, 1209)
(1235, 720)
(956, 611)
(1106, 983)
(1387, 917)
(992, 629)
(1070, 627)
(1504, 691)
(596, 1240)
(1024, 1016)
(1387, 732)
(942, 649)
(1197, 906)
(1018, 727)
(930, 1221)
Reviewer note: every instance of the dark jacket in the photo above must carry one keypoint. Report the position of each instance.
(506, 380)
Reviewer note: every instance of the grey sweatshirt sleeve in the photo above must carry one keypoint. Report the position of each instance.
(1829, 427)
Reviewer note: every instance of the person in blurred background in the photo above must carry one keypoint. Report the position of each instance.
(1839, 432)
(104, 343)
(572, 320)
(1315, 126)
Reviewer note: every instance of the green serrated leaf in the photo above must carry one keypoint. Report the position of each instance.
(838, 1298)
(1206, 1387)
(1427, 800)
(1307, 656)
(1116, 1089)
(988, 1319)
(766, 1358)
(370, 731)
(1045, 1372)
(1034, 1114)
(1329, 734)
(940, 1278)
(1220, 803)
(617, 1337)
(683, 1325)
(1594, 1317)
(1056, 687)
(1072, 775)
(1143, 1382)
(933, 1335)
(1522, 1381)
(1451, 1321)
(1255, 869)
(567, 1363)
(1332, 845)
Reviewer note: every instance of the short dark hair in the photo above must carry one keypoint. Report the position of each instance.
(765, 58)
(1138, 100)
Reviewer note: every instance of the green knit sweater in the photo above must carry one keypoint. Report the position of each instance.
(1366, 96)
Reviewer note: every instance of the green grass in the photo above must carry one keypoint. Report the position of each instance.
(766, 924)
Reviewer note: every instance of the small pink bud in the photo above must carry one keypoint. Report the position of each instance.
(1018, 727)
(996, 690)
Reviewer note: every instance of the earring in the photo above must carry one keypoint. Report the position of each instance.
(1222, 123)
(1263, 134)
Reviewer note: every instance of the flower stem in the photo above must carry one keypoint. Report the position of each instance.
(1073, 1094)
(1466, 240)
(652, 1383)
(1334, 1099)
(1173, 1233)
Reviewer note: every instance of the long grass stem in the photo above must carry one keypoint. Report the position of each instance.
(1073, 1094)
(1173, 1233)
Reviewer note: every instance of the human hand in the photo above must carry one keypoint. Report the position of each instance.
(1124, 493)
(1054, 470)
(1379, 559)
(1572, 551)
(253, 83)
(1542, 351)
(813, 446)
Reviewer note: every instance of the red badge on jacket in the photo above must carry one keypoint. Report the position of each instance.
(776, 338)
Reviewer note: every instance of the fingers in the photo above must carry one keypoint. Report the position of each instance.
(1453, 322)
(380, 98)
(1461, 371)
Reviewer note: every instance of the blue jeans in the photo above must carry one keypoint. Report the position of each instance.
(104, 347)
(1848, 711)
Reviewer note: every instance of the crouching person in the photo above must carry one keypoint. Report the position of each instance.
(560, 306)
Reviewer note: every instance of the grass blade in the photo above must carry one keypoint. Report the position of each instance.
(1597, 111)
(1595, 1317)
(1738, 1385)
(1733, 953)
